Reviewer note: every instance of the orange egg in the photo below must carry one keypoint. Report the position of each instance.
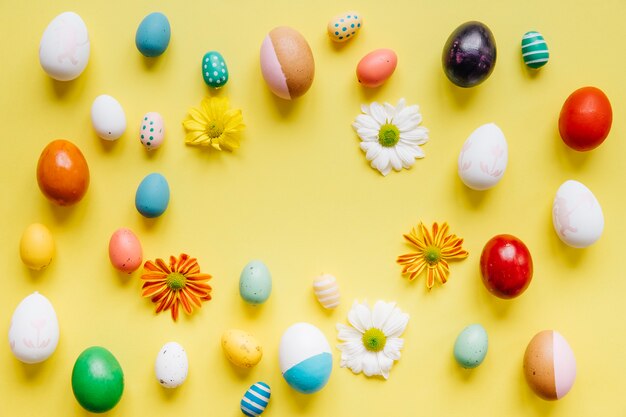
(125, 251)
(376, 67)
(62, 173)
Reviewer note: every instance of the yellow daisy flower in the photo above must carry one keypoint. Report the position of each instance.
(433, 251)
(213, 124)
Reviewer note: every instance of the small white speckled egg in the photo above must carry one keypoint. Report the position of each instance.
(108, 117)
(152, 130)
(171, 365)
(344, 26)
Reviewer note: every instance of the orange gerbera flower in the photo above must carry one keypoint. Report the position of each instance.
(433, 251)
(180, 283)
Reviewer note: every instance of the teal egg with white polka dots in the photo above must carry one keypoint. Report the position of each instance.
(214, 69)
(344, 26)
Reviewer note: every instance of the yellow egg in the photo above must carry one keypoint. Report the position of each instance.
(241, 348)
(37, 247)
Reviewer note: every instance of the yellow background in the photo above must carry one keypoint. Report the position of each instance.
(300, 196)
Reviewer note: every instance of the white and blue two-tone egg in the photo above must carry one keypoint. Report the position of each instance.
(305, 358)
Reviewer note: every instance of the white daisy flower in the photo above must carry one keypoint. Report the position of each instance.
(373, 342)
(391, 136)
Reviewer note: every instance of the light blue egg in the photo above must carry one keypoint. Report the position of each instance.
(152, 196)
(255, 283)
(471, 346)
(153, 35)
(255, 399)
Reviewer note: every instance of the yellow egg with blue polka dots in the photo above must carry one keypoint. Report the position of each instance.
(345, 26)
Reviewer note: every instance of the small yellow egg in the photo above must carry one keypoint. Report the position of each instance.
(241, 348)
(37, 247)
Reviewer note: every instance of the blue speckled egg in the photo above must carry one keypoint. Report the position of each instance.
(153, 195)
(255, 283)
(255, 399)
(471, 346)
(153, 35)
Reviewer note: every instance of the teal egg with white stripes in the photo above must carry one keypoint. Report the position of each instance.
(305, 358)
(256, 399)
(534, 50)
(214, 69)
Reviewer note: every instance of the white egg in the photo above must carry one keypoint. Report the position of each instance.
(171, 366)
(107, 117)
(64, 47)
(483, 158)
(577, 215)
(34, 331)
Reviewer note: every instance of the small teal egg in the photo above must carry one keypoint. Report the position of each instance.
(255, 399)
(153, 195)
(534, 50)
(471, 346)
(153, 35)
(255, 283)
(214, 69)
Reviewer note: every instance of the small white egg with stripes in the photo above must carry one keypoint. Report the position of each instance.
(534, 50)
(327, 291)
(255, 399)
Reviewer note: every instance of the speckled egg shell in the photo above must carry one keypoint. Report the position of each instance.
(255, 399)
(344, 26)
(534, 50)
(214, 69)
(171, 366)
(152, 131)
(327, 291)
(470, 347)
(255, 283)
(241, 348)
(108, 117)
(376, 67)
(125, 251)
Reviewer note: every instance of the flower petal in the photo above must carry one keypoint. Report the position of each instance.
(378, 113)
(394, 159)
(405, 155)
(371, 367)
(396, 323)
(367, 134)
(381, 162)
(363, 120)
(393, 347)
(348, 333)
(381, 312)
(360, 317)
(390, 111)
(385, 363)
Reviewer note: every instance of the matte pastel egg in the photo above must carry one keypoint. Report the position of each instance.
(108, 117)
(470, 347)
(549, 365)
(577, 215)
(97, 380)
(64, 47)
(171, 366)
(152, 196)
(255, 399)
(125, 251)
(376, 67)
(483, 158)
(305, 358)
(153, 35)
(214, 69)
(152, 131)
(534, 50)
(327, 291)
(255, 282)
(34, 329)
(37, 246)
(241, 348)
(287, 63)
(344, 26)
(62, 173)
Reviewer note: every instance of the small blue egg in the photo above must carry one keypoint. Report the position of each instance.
(471, 346)
(153, 195)
(255, 283)
(153, 35)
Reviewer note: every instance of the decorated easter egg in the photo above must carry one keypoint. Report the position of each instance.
(255, 282)
(34, 330)
(327, 291)
(153, 35)
(64, 47)
(376, 67)
(171, 366)
(483, 158)
(125, 251)
(287, 63)
(241, 348)
(549, 365)
(214, 69)
(469, 55)
(506, 266)
(97, 380)
(36, 246)
(255, 399)
(62, 173)
(470, 347)
(534, 50)
(152, 131)
(305, 358)
(152, 196)
(344, 26)
(577, 215)
(108, 117)
(586, 118)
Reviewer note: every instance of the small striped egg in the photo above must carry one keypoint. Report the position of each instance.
(534, 50)
(345, 26)
(256, 399)
(327, 291)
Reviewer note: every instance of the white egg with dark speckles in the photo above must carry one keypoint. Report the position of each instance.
(171, 365)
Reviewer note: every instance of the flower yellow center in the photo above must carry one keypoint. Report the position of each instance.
(214, 129)
(374, 340)
(176, 281)
(432, 255)
(388, 135)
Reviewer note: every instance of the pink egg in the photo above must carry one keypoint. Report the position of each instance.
(125, 251)
(152, 130)
(376, 67)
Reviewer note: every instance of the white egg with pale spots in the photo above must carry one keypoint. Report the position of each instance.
(108, 117)
(483, 158)
(577, 215)
(171, 366)
(64, 47)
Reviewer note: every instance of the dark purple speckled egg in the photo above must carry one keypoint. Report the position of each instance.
(469, 55)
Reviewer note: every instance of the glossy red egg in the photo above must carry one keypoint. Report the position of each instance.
(62, 173)
(506, 266)
(585, 119)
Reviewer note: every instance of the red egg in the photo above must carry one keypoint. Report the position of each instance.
(506, 266)
(376, 67)
(62, 173)
(125, 251)
(585, 119)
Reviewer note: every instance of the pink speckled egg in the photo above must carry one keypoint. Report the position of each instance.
(125, 251)
(152, 131)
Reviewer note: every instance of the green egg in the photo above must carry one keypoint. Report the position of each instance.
(214, 69)
(534, 50)
(471, 346)
(97, 380)
(255, 283)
